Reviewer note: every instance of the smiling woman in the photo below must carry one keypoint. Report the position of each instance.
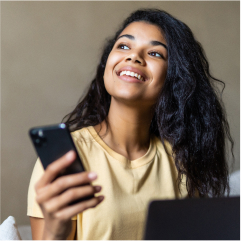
(151, 126)
(136, 52)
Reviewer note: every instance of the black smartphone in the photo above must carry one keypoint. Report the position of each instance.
(52, 142)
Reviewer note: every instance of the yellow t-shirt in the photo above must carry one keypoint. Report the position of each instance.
(128, 187)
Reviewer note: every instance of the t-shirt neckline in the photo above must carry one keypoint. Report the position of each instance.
(148, 157)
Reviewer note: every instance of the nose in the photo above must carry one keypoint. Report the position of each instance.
(135, 58)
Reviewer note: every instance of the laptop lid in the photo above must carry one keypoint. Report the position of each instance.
(196, 219)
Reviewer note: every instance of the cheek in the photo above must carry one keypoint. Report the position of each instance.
(110, 70)
(159, 74)
(111, 63)
(108, 74)
(159, 77)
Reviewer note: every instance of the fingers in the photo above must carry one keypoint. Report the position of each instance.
(63, 183)
(71, 211)
(58, 202)
(54, 195)
(55, 168)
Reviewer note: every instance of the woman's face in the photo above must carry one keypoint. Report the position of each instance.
(137, 65)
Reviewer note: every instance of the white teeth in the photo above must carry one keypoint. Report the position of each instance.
(133, 74)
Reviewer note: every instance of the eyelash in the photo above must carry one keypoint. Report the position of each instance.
(122, 45)
(156, 52)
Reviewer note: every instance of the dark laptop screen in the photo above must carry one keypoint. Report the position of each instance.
(196, 219)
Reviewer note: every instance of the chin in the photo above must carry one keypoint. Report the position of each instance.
(126, 94)
(133, 100)
(130, 96)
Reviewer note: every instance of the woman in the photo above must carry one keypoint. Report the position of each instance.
(151, 126)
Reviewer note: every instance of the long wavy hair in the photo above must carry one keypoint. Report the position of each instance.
(189, 113)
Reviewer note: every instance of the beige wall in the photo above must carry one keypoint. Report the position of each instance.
(49, 55)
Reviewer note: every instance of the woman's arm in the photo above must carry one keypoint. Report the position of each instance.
(54, 195)
(37, 227)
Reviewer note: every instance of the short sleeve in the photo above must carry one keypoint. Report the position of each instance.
(33, 209)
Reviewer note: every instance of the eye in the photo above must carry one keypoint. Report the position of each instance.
(156, 54)
(123, 46)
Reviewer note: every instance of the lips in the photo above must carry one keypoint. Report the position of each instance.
(132, 72)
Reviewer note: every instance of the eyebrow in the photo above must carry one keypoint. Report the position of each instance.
(153, 42)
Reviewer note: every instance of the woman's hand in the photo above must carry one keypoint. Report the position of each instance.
(54, 195)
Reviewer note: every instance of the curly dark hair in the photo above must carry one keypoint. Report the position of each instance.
(188, 114)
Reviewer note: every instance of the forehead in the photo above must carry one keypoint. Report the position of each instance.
(144, 30)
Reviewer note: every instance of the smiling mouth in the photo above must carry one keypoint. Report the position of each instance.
(132, 74)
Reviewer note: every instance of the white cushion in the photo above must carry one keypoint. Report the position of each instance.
(234, 182)
(8, 230)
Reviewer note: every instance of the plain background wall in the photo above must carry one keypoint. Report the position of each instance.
(50, 51)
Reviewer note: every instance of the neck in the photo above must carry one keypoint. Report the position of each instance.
(128, 130)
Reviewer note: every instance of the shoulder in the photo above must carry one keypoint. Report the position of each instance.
(162, 147)
(81, 133)
(83, 136)
(164, 154)
(167, 164)
(87, 145)
(86, 137)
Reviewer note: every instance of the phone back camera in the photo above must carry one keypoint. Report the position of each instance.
(38, 138)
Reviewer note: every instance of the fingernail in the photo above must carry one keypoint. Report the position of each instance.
(92, 175)
(97, 188)
(101, 198)
(70, 155)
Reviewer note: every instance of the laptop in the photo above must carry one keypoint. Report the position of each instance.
(194, 219)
